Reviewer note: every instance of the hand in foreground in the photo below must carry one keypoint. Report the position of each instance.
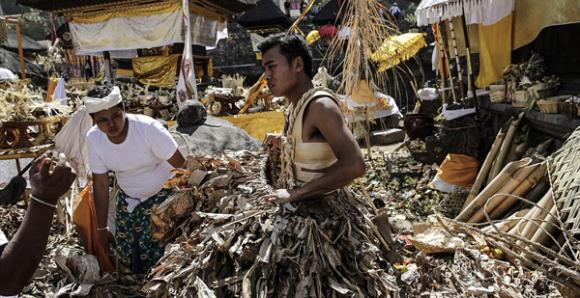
(280, 196)
(50, 186)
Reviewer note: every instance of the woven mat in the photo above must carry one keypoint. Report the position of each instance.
(564, 170)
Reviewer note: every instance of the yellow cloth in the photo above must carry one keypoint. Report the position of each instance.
(534, 15)
(458, 169)
(159, 71)
(85, 220)
(397, 49)
(495, 44)
(132, 10)
(258, 124)
(126, 11)
(312, 37)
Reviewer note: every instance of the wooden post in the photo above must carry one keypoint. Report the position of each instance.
(441, 27)
(470, 79)
(20, 51)
(22, 66)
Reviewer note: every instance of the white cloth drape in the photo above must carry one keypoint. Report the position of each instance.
(484, 12)
(129, 33)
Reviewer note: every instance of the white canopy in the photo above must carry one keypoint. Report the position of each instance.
(484, 12)
(141, 30)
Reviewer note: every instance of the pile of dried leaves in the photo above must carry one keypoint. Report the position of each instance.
(236, 244)
(225, 241)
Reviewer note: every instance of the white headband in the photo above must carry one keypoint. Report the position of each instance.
(95, 104)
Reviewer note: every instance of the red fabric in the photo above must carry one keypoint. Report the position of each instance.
(328, 30)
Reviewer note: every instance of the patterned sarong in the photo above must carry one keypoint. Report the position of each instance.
(137, 250)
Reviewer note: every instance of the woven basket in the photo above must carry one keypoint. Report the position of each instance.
(565, 179)
(497, 93)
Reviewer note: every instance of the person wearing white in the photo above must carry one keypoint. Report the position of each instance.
(141, 153)
(140, 162)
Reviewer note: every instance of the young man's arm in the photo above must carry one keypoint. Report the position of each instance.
(350, 164)
(20, 257)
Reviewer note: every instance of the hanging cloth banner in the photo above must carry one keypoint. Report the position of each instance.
(146, 27)
(127, 33)
(186, 86)
(484, 12)
(158, 71)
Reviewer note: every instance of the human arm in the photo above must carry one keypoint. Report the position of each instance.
(23, 253)
(176, 160)
(164, 146)
(101, 201)
(350, 164)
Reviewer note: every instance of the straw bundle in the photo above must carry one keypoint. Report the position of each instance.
(367, 34)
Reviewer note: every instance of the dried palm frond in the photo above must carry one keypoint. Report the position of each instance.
(367, 32)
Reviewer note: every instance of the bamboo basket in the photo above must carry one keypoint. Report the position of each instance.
(548, 106)
(564, 174)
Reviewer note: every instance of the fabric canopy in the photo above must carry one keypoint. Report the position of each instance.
(484, 12)
(265, 15)
(397, 49)
(142, 28)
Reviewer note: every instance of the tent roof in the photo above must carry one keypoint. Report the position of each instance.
(11, 61)
(222, 7)
(484, 12)
(265, 15)
(328, 14)
(28, 44)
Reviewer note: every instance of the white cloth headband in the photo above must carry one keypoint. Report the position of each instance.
(95, 104)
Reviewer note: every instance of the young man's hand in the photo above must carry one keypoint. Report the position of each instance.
(281, 196)
(50, 186)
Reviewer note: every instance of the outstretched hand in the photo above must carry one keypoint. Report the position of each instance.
(280, 196)
(50, 186)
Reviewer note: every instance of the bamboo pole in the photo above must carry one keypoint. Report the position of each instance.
(443, 41)
(530, 182)
(517, 152)
(508, 223)
(519, 180)
(470, 79)
(542, 235)
(457, 60)
(505, 146)
(536, 215)
(492, 188)
(518, 230)
(484, 171)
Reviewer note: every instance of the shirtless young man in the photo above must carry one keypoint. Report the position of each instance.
(326, 156)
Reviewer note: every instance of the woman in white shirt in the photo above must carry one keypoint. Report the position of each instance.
(141, 153)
